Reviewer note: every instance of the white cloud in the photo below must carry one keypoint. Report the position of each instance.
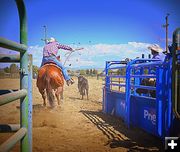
(96, 55)
(37, 52)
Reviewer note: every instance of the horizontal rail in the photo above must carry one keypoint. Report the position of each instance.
(117, 81)
(143, 87)
(117, 62)
(115, 84)
(9, 97)
(7, 91)
(136, 61)
(9, 127)
(143, 76)
(9, 58)
(7, 145)
(117, 67)
(149, 64)
(8, 44)
(116, 76)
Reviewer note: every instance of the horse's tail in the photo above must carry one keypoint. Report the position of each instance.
(49, 91)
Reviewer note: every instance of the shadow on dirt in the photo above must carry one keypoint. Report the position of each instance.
(120, 136)
(75, 98)
(88, 100)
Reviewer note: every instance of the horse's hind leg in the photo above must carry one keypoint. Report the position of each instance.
(61, 94)
(43, 93)
(58, 93)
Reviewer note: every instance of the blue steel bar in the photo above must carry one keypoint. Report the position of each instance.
(9, 58)
(5, 43)
(112, 63)
(148, 64)
(143, 87)
(127, 108)
(116, 81)
(116, 76)
(9, 97)
(7, 145)
(159, 103)
(143, 76)
(143, 60)
(9, 127)
(118, 67)
(115, 84)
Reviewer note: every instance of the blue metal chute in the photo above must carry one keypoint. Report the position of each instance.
(144, 111)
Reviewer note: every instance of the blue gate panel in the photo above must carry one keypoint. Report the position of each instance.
(143, 113)
(109, 102)
(120, 105)
(114, 103)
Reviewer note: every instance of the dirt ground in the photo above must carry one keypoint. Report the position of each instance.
(77, 125)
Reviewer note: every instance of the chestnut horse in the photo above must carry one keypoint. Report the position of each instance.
(50, 79)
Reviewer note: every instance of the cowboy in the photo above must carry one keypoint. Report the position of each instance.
(156, 51)
(50, 51)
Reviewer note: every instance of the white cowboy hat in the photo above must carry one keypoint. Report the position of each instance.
(156, 48)
(52, 39)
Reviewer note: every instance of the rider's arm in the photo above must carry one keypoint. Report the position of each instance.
(64, 47)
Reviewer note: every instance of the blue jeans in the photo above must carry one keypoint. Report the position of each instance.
(59, 64)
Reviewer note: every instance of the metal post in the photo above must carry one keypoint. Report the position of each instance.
(167, 33)
(24, 74)
(30, 103)
(175, 72)
(128, 89)
(45, 34)
(166, 26)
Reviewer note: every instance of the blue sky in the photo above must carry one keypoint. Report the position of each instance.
(107, 29)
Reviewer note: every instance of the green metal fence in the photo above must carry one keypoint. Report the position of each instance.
(24, 129)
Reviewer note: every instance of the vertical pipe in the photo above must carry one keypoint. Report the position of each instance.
(107, 87)
(128, 89)
(167, 33)
(24, 74)
(175, 72)
(159, 103)
(107, 76)
(30, 103)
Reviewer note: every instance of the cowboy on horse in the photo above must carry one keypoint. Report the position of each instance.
(50, 51)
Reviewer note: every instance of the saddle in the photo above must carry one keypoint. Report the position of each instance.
(50, 63)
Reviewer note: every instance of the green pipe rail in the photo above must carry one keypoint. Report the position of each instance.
(10, 58)
(24, 129)
(7, 145)
(9, 97)
(12, 45)
(9, 128)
